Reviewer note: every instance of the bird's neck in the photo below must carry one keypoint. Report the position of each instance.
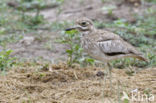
(85, 33)
(88, 32)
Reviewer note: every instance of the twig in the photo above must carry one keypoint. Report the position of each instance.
(75, 75)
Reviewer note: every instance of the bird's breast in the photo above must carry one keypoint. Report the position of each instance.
(92, 49)
(88, 46)
(84, 44)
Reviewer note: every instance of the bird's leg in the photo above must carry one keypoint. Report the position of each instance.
(103, 89)
(110, 74)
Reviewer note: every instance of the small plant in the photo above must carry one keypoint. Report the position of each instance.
(75, 52)
(33, 5)
(147, 91)
(109, 9)
(32, 22)
(4, 40)
(5, 60)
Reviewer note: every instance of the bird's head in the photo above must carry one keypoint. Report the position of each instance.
(83, 25)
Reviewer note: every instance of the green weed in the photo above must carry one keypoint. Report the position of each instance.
(5, 60)
(75, 52)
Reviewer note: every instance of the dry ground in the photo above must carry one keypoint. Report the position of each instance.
(72, 85)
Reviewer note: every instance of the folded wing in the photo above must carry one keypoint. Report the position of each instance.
(116, 47)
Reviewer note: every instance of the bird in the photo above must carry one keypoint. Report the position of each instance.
(103, 45)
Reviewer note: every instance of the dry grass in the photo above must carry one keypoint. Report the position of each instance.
(28, 85)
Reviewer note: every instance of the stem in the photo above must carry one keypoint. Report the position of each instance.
(37, 12)
(71, 59)
(23, 15)
(70, 56)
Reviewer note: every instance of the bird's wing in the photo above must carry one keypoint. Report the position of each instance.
(112, 44)
(106, 35)
(113, 47)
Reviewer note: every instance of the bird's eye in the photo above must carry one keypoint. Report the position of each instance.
(83, 23)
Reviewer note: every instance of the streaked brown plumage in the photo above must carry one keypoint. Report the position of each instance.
(104, 45)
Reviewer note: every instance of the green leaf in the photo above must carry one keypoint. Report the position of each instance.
(77, 47)
(69, 51)
(90, 60)
(126, 101)
(71, 32)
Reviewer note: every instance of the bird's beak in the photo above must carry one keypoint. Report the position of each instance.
(72, 28)
(68, 29)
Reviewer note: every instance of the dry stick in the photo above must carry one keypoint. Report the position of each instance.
(75, 75)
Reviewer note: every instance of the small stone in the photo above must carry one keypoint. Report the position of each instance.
(100, 74)
(27, 40)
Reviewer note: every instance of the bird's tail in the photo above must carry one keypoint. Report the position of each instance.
(140, 57)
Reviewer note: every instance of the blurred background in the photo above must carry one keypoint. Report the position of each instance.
(30, 28)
